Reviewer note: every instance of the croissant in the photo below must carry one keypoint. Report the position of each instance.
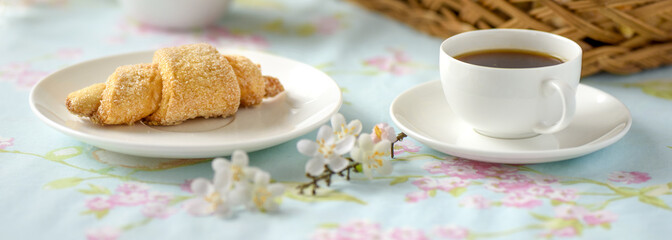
(182, 83)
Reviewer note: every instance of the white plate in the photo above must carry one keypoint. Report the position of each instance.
(309, 100)
(423, 114)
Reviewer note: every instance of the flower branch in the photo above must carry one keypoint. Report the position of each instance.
(326, 177)
(368, 152)
(399, 138)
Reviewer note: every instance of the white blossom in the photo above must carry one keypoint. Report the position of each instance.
(341, 130)
(212, 196)
(238, 168)
(372, 156)
(264, 193)
(234, 183)
(326, 150)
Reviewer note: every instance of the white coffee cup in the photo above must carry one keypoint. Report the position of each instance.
(511, 102)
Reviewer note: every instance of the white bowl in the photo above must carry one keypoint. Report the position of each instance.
(176, 14)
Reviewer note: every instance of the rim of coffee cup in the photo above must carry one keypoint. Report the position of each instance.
(575, 55)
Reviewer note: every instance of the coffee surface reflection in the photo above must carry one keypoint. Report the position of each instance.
(509, 58)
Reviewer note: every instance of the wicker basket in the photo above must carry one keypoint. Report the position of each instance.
(617, 36)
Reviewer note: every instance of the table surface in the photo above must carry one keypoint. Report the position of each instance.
(53, 186)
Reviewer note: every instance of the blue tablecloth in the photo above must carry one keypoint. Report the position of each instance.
(53, 186)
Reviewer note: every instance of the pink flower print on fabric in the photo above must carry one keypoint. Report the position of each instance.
(405, 146)
(159, 197)
(98, 204)
(521, 200)
(186, 185)
(216, 33)
(359, 229)
(565, 232)
(149, 29)
(23, 74)
(473, 164)
(130, 194)
(494, 186)
(491, 170)
(417, 196)
(476, 201)
(132, 187)
(69, 53)
(451, 232)
(365, 230)
(563, 195)
(129, 199)
(463, 172)
(324, 234)
(6, 142)
(158, 210)
(444, 184)
(629, 177)
(103, 233)
(515, 186)
(452, 169)
(395, 64)
(483, 169)
(569, 212)
(437, 167)
(137, 28)
(516, 177)
(405, 234)
(328, 25)
(539, 191)
(544, 179)
(426, 184)
(599, 217)
(450, 183)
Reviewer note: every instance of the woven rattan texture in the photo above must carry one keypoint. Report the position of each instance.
(617, 36)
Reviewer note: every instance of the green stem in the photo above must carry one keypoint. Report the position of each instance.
(43, 57)
(604, 204)
(585, 180)
(24, 153)
(419, 65)
(505, 232)
(131, 172)
(98, 177)
(136, 224)
(598, 194)
(528, 169)
(107, 175)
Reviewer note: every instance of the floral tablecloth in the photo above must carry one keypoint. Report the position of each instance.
(53, 186)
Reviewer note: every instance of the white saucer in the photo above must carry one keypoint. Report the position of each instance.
(423, 114)
(309, 100)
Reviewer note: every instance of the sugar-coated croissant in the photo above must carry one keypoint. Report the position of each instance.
(197, 82)
(250, 81)
(85, 102)
(182, 83)
(131, 93)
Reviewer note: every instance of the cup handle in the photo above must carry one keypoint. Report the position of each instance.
(567, 94)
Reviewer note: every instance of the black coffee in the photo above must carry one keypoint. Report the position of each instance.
(509, 58)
